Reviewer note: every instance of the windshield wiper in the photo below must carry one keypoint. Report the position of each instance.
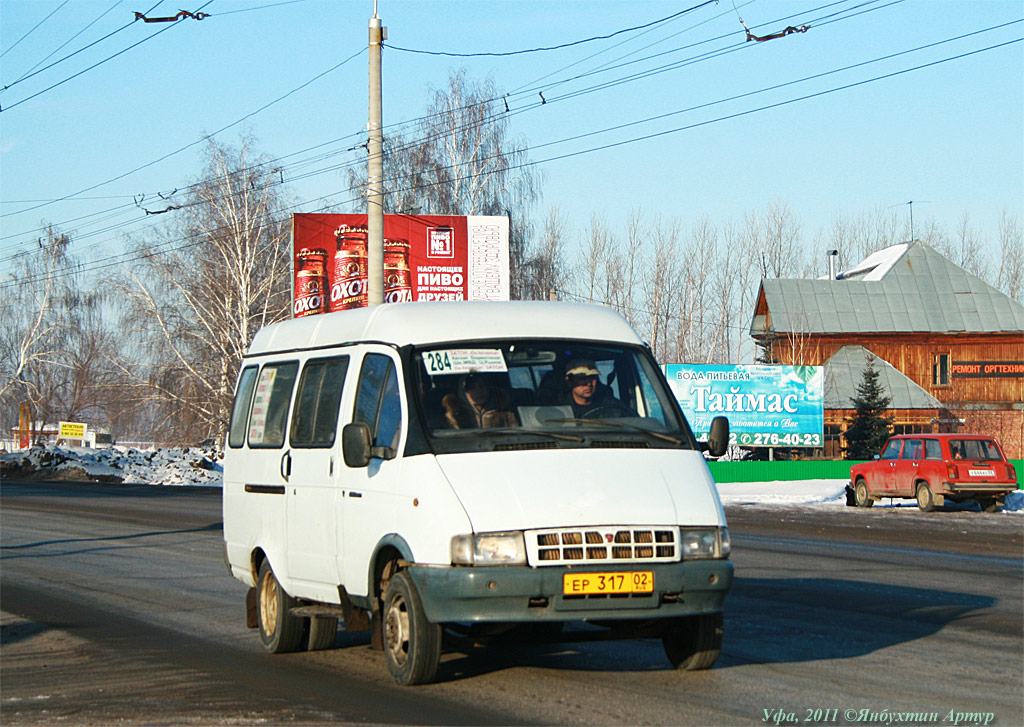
(460, 433)
(619, 425)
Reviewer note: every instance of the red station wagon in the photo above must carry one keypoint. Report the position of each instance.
(935, 468)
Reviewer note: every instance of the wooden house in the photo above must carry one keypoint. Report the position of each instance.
(949, 346)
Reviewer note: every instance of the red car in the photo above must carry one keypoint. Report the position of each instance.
(935, 468)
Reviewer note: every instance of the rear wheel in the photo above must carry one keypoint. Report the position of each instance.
(279, 631)
(860, 494)
(321, 633)
(412, 644)
(925, 499)
(694, 642)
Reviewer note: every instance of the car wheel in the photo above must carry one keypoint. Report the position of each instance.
(925, 499)
(280, 632)
(860, 495)
(694, 642)
(412, 644)
(321, 633)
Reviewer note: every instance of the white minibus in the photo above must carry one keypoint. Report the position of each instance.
(471, 468)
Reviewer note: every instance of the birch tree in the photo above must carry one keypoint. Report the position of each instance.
(200, 290)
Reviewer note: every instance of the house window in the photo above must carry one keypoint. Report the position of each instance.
(940, 369)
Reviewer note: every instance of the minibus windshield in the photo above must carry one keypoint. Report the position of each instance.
(533, 394)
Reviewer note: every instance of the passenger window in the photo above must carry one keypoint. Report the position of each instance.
(932, 449)
(892, 449)
(269, 417)
(912, 449)
(240, 409)
(315, 420)
(377, 400)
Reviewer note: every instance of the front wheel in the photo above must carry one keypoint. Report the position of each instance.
(280, 632)
(925, 499)
(860, 495)
(694, 642)
(412, 644)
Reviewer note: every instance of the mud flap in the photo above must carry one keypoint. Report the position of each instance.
(250, 609)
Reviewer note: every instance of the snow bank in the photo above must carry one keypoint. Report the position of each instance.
(174, 466)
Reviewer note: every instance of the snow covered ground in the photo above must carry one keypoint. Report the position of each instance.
(196, 466)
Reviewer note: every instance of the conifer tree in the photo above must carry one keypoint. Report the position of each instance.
(870, 428)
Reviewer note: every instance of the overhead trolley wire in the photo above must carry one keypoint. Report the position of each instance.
(122, 258)
(554, 47)
(34, 27)
(97, 64)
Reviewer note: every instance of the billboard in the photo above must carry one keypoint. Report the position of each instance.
(426, 258)
(767, 406)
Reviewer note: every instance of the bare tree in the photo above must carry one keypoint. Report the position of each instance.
(660, 285)
(198, 295)
(544, 267)
(1011, 264)
(52, 338)
(462, 159)
(594, 256)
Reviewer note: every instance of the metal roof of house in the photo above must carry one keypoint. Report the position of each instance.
(845, 370)
(908, 288)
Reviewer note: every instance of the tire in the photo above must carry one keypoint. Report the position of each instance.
(412, 645)
(321, 633)
(694, 642)
(280, 632)
(860, 494)
(925, 499)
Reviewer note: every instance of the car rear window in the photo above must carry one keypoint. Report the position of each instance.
(978, 449)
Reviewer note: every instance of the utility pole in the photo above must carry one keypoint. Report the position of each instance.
(375, 181)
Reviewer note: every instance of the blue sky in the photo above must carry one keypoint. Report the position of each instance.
(949, 136)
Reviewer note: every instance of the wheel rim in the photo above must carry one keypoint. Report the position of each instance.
(396, 630)
(862, 493)
(924, 496)
(268, 604)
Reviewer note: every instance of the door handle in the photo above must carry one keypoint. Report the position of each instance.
(286, 465)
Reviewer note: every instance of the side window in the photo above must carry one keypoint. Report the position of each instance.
(240, 409)
(912, 449)
(892, 449)
(315, 419)
(377, 400)
(273, 394)
(940, 369)
(932, 449)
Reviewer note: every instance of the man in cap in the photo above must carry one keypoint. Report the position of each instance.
(587, 396)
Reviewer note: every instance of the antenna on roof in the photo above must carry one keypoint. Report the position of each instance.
(910, 204)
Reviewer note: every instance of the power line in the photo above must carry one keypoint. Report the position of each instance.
(554, 47)
(34, 27)
(118, 259)
(95, 65)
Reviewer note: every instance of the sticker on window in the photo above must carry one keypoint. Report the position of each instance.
(464, 360)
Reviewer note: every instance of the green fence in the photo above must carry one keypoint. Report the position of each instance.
(801, 470)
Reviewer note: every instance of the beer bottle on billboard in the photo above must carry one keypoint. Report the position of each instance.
(310, 282)
(397, 275)
(348, 283)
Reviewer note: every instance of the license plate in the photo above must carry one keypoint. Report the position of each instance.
(588, 584)
(981, 473)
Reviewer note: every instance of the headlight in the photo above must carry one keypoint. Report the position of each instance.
(489, 549)
(705, 543)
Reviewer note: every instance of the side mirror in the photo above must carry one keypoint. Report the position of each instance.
(878, 456)
(718, 437)
(355, 444)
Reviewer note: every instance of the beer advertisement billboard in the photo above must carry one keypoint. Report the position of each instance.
(767, 406)
(426, 258)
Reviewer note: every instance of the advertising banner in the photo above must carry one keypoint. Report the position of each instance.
(425, 258)
(767, 406)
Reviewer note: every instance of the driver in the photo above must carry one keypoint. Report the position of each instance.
(587, 395)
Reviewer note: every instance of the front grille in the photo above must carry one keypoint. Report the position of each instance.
(604, 544)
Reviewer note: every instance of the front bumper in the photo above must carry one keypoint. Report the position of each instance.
(523, 593)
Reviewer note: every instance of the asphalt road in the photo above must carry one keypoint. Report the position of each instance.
(117, 607)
